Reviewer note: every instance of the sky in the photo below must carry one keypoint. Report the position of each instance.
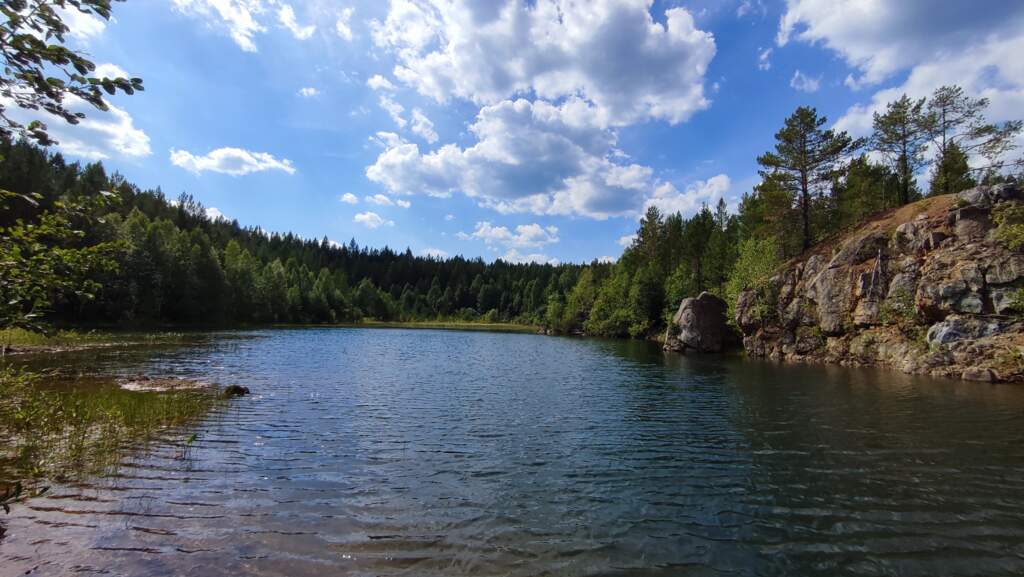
(528, 130)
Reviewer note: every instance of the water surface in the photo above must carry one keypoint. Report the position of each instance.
(423, 452)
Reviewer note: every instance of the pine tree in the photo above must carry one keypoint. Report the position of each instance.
(957, 126)
(806, 157)
(901, 137)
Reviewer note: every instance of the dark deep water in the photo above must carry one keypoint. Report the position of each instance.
(413, 452)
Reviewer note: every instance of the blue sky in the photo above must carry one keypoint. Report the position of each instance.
(527, 130)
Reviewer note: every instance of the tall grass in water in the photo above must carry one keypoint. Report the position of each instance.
(71, 432)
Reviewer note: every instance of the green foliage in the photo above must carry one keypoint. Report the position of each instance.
(806, 158)
(951, 172)
(901, 136)
(956, 124)
(40, 73)
(757, 261)
(1009, 219)
(47, 258)
(166, 262)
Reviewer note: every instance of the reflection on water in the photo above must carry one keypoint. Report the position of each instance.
(397, 452)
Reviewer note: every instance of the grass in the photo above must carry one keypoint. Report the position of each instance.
(73, 431)
(71, 339)
(451, 325)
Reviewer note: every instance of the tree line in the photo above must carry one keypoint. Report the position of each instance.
(815, 183)
(79, 246)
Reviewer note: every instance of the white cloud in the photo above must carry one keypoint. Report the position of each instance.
(229, 160)
(434, 253)
(109, 71)
(422, 126)
(382, 200)
(606, 259)
(308, 92)
(286, 15)
(349, 198)
(525, 235)
(342, 26)
(610, 53)
(82, 27)
(214, 213)
(393, 109)
(512, 255)
(935, 43)
(763, 59)
(371, 220)
(238, 17)
(529, 157)
(669, 200)
(804, 83)
(449, 217)
(626, 240)
(749, 7)
(881, 38)
(98, 136)
(378, 82)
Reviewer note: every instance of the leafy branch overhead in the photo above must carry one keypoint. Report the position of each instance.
(40, 73)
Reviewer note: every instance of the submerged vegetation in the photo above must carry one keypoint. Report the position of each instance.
(83, 428)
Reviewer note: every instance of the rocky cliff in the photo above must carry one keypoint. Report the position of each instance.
(926, 289)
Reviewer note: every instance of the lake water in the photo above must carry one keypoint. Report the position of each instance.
(421, 453)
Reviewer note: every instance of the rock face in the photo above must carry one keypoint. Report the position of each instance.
(925, 289)
(699, 325)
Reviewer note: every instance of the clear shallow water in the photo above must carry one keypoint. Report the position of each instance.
(408, 452)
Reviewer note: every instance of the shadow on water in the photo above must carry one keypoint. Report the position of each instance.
(421, 452)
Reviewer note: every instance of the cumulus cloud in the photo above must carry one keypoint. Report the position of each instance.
(286, 16)
(434, 253)
(308, 92)
(626, 240)
(378, 82)
(610, 53)
(606, 259)
(393, 109)
(514, 256)
(229, 160)
(529, 157)
(98, 136)
(342, 26)
(349, 198)
(237, 17)
(933, 43)
(108, 70)
(371, 220)
(524, 236)
(422, 126)
(213, 213)
(879, 39)
(804, 83)
(449, 217)
(381, 200)
(670, 200)
(82, 27)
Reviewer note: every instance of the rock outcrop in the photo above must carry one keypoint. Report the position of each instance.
(925, 289)
(699, 325)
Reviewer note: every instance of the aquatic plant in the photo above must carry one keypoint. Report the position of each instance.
(72, 431)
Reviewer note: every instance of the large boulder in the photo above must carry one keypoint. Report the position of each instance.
(699, 325)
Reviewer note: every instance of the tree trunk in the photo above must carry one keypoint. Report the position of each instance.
(805, 202)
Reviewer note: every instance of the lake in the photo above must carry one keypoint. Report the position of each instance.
(428, 452)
